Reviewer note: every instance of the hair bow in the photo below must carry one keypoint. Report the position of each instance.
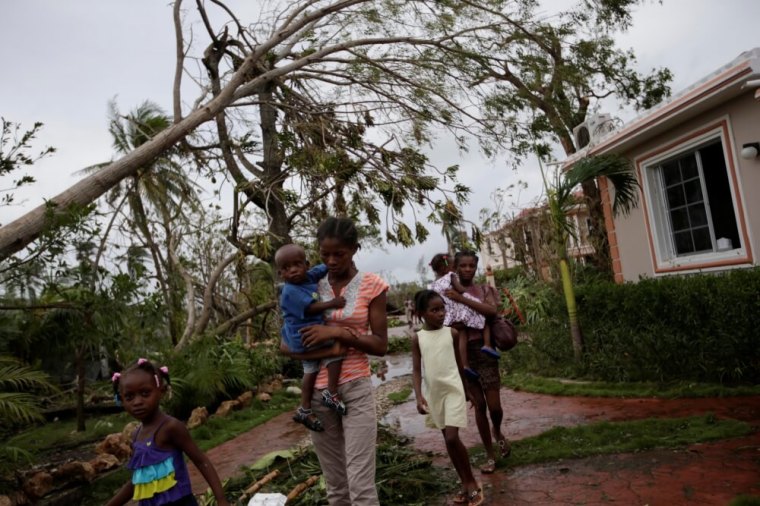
(141, 361)
(164, 369)
(115, 377)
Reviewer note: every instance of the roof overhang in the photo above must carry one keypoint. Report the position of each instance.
(717, 88)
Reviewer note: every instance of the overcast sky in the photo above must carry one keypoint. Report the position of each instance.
(64, 60)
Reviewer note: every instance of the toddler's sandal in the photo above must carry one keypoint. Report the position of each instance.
(309, 419)
(471, 373)
(491, 352)
(334, 402)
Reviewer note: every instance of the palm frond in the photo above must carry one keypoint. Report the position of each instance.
(618, 170)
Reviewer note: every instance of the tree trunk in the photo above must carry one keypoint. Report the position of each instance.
(79, 364)
(272, 159)
(572, 311)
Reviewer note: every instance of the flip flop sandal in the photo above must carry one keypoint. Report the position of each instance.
(460, 497)
(307, 418)
(475, 498)
(489, 467)
(506, 448)
(490, 352)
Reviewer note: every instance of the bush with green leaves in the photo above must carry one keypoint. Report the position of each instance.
(211, 370)
(701, 328)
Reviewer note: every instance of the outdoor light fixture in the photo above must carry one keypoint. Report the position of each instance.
(750, 150)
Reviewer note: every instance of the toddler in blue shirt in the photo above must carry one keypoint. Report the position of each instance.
(301, 307)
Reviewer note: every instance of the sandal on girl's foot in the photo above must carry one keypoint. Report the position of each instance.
(460, 497)
(505, 447)
(334, 402)
(471, 373)
(489, 467)
(490, 352)
(475, 498)
(309, 419)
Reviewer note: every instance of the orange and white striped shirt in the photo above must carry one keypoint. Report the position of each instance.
(359, 293)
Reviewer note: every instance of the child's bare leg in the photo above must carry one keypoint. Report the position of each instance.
(330, 397)
(488, 348)
(333, 374)
(460, 458)
(487, 336)
(307, 389)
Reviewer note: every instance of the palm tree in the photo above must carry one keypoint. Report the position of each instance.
(160, 191)
(560, 199)
(18, 403)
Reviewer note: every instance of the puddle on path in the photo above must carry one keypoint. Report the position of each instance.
(391, 366)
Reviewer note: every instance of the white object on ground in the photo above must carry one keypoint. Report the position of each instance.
(267, 500)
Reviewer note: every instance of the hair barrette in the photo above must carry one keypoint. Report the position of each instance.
(164, 369)
(115, 376)
(141, 361)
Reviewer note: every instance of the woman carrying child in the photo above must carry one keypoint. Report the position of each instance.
(159, 472)
(483, 391)
(434, 346)
(460, 315)
(346, 447)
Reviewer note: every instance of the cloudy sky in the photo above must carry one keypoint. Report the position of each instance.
(64, 60)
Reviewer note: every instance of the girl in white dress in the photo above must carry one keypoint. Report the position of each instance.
(434, 350)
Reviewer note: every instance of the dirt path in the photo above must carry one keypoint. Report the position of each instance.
(704, 474)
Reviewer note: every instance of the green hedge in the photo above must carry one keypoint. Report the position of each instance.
(700, 328)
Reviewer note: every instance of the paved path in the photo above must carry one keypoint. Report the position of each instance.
(279, 433)
(703, 474)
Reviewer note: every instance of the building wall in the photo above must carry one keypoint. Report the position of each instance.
(741, 116)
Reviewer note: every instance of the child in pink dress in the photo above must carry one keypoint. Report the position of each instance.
(459, 315)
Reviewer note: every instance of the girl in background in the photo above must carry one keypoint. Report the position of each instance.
(434, 346)
(159, 472)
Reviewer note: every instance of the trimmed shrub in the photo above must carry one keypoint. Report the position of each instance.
(700, 328)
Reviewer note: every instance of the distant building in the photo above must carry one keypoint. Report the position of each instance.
(524, 240)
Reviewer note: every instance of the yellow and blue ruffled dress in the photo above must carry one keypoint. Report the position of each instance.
(159, 476)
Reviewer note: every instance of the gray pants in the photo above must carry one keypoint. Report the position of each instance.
(346, 449)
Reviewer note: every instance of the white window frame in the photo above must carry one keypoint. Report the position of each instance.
(665, 257)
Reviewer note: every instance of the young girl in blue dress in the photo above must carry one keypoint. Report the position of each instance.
(435, 358)
(159, 472)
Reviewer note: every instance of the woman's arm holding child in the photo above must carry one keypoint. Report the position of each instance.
(422, 405)
(318, 307)
(181, 439)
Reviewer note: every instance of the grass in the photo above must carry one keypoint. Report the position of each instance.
(745, 500)
(218, 430)
(400, 396)
(553, 386)
(606, 438)
(42, 440)
(399, 345)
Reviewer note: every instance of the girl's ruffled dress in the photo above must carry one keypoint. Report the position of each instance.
(159, 476)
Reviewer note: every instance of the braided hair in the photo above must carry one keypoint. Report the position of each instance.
(465, 253)
(422, 300)
(342, 229)
(160, 374)
(440, 262)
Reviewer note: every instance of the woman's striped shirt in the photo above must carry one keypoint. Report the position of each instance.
(359, 293)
